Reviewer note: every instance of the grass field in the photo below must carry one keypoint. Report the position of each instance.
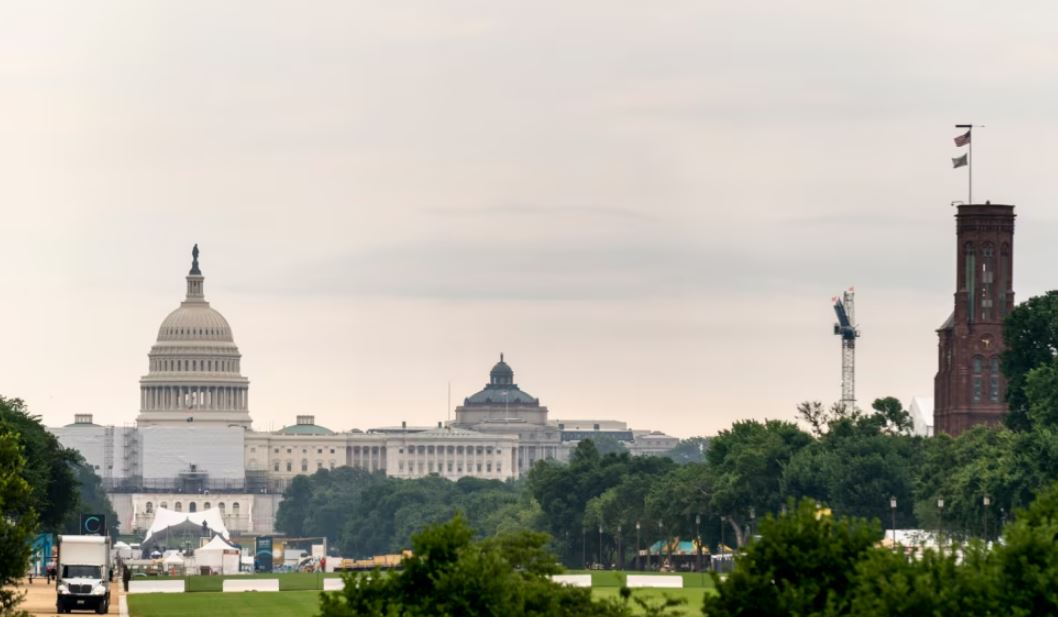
(288, 581)
(284, 604)
(611, 578)
(294, 601)
(692, 597)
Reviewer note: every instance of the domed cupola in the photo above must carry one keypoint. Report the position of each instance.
(501, 374)
(501, 389)
(194, 365)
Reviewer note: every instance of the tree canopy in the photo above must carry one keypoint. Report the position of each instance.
(451, 574)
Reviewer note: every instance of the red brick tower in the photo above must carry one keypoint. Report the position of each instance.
(969, 388)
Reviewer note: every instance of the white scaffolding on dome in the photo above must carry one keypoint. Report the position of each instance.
(165, 518)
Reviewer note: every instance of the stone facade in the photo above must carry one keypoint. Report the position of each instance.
(969, 388)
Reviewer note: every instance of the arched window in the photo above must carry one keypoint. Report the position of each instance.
(192, 507)
(164, 504)
(179, 507)
(220, 506)
(150, 507)
(977, 363)
(235, 509)
(206, 506)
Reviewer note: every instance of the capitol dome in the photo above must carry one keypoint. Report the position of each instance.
(197, 322)
(194, 366)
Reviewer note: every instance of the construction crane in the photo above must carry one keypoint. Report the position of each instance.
(845, 308)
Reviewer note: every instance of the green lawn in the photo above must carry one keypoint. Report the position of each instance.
(288, 581)
(294, 602)
(693, 596)
(249, 604)
(612, 578)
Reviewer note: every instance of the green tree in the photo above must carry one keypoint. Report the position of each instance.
(49, 466)
(450, 574)
(747, 464)
(91, 497)
(18, 521)
(888, 583)
(802, 564)
(891, 416)
(294, 509)
(1027, 560)
(608, 444)
(858, 462)
(1041, 395)
(564, 491)
(1030, 334)
(690, 450)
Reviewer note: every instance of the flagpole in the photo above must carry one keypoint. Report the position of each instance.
(969, 160)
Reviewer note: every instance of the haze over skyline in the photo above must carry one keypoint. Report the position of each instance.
(647, 209)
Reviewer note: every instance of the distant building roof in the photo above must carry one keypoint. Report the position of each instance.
(501, 389)
(306, 425)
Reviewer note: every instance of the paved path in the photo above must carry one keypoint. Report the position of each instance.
(40, 598)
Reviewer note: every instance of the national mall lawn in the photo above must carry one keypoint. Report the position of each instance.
(306, 603)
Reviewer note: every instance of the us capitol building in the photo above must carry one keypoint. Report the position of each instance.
(193, 447)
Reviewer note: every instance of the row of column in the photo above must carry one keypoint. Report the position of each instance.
(371, 458)
(469, 458)
(193, 397)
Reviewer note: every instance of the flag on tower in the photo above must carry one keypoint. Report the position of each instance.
(963, 139)
(959, 162)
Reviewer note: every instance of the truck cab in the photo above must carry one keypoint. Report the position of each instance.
(83, 574)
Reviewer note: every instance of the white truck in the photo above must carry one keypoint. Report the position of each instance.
(83, 574)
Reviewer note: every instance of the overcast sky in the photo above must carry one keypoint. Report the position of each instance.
(646, 206)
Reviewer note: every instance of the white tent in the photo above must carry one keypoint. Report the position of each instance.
(165, 518)
(122, 550)
(219, 556)
(173, 559)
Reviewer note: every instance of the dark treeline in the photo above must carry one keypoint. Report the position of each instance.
(853, 461)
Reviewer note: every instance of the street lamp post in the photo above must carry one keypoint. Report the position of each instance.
(987, 502)
(661, 544)
(892, 507)
(584, 545)
(637, 547)
(940, 524)
(620, 554)
(600, 548)
(698, 538)
(720, 565)
(752, 521)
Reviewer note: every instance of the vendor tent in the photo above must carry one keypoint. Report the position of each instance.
(172, 529)
(164, 518)
(219, 556)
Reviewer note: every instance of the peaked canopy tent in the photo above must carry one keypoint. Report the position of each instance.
(219, 556)
(177, 529)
